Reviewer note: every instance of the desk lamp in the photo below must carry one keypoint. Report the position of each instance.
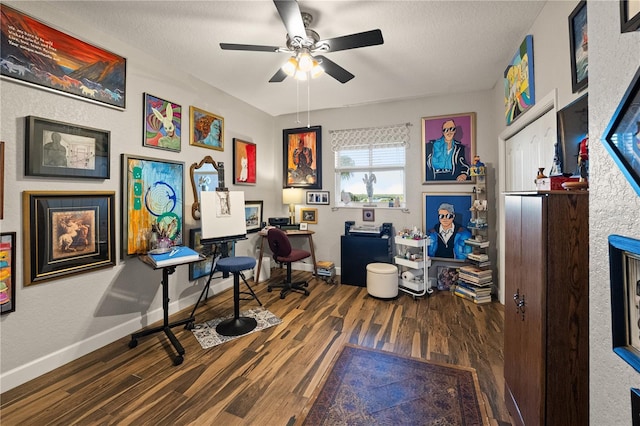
(292, 196)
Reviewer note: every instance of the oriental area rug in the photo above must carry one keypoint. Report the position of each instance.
(208, 337)
(371, 387)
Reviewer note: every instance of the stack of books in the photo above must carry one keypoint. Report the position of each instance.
(475, 275)
(475, 243)
(479, 259)
(175, 256)
(476, 294)
(326, 269)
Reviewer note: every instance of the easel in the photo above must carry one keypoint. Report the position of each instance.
(224, 229)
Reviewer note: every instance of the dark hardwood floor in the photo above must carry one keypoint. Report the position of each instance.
(267, 377)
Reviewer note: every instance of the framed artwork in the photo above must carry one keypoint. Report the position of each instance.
(579, 44)
(309, 215)
(447, 277)
(303, 226)
(7, 272)
(153, 196)
(253, 215)
(1, 180)
(629, 15)
(635, 407)
(58, 149)
(318, 197)
(302, 157)
(444, 213)
(448, 146)
(622, 138)
(624, 267)
(204, 177)
(519, 84)
(162, 123)
(59, 60)
(368, 215)
(244, 162)
(67, 233)
(206, 130)
(203, 268)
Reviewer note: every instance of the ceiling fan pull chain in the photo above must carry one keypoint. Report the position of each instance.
(308, 103)
(297, 101)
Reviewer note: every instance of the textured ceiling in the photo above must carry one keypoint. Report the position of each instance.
(430, 47)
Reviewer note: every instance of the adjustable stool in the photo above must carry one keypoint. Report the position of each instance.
(237, 325)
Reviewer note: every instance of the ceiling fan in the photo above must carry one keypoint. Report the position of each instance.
(303, 44)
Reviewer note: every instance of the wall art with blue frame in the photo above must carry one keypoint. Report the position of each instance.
(624, 270)
(622, 136)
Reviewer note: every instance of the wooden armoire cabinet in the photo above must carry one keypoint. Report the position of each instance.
(546, 330)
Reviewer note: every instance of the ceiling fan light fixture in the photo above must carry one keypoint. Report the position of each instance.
(290, 67)
(305, 61)
(300, 75)
(317, 70)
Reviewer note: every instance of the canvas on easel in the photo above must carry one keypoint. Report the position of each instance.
(223, 215)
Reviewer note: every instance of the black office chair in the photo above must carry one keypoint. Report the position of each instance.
(283, 253)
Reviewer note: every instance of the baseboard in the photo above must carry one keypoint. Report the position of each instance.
(50, 362)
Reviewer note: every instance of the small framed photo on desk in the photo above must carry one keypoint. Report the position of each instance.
(304, 226)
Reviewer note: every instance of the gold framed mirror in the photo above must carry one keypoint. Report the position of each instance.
(205, 176)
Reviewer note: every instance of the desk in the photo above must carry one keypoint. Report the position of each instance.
(166, 326)
(290, 233)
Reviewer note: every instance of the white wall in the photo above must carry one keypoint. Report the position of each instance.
(60, 320)
(411, 111)
(614, 207)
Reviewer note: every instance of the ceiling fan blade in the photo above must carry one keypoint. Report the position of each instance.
(367, 38)
(278, 77)
(250, 47)
(334, 70)
(291, 17)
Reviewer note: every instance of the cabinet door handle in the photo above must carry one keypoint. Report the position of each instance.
(519, 301)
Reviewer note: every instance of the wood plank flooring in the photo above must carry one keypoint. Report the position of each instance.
(267, 377)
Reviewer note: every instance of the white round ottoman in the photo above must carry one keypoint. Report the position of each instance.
(382, 280)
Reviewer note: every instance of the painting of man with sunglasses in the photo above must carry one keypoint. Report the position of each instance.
(446, 156)
(447, 237)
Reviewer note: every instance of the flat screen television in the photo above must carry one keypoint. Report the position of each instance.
(573, 127)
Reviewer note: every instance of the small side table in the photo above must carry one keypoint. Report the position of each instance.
(166, 325)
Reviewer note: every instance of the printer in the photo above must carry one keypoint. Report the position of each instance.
(368, 230)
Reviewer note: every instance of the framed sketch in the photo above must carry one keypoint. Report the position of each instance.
(64, 57)
(253, 215)
(162, 123)
(203, 268)
(58, 149)
(448, 146)
(1, 180)
(309, 215)
(302, 157)
(244, 162)
(629, 15)
(67, 233)
(624, 267)
(445, 216)
(7, 272)
(622, 138)
(153, 196)
(318, 197)
(579, 44)
(206, 129)
(368, 215)
(519, 84)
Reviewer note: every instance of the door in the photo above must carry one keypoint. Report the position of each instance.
(524, 325)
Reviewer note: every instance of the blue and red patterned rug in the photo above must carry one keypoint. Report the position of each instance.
(371, 387)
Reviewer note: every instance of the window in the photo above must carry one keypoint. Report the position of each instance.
(370, 166)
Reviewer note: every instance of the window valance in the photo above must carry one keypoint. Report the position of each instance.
(370, 137)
